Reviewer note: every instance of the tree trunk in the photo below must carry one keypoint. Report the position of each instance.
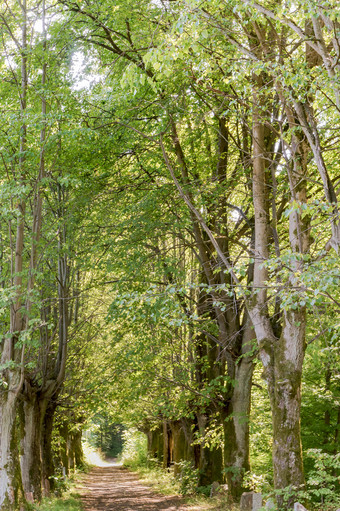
(166, 445)
(10, 478)
(11, 492)
(48, 468)
(211, 461)
(30, 459)
(236, 424)
(187, 427)
(33, 441)
(282, 358)
(179, 445)
(70, 452)
(286, 404)
(64, 457)
(78, 449)
(155, 444)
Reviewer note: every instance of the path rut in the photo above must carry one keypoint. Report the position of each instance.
(114, 488)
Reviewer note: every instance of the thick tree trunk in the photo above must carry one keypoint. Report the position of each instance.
(286, 404)
(64, 457)
(282, 358)
(181, 439)
(236, 425)
(33, 439)
(166, 445)
(48, 468)
(179, 445)
(155, 444)
(30, 459)
(187, 427)
(211, 458)
(11, 493)
(78, 449)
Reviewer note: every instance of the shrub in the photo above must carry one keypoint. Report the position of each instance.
(188, 477)
(134, 451)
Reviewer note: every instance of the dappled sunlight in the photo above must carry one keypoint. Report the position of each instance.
(94, 457)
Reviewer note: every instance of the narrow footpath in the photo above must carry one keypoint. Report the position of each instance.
(114, 488)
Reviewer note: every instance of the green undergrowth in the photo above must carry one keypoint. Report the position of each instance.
(68, 498)
(70, 502)
(163, 482)
(134, 457)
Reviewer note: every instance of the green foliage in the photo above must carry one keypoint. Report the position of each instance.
(67, 503)
(257, 482)
(188, 477)
(134, 453)
(323, 487)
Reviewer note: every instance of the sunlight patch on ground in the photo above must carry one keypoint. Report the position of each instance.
(94, 457)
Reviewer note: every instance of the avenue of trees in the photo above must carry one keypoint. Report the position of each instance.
(170, 231)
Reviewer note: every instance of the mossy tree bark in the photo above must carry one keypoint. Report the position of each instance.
(155, 443)
(31, 460)
(179, 445)
(11, 492)
(78, 448)
(71, 451)
(236, 420)
(166, 445)
(211, 457)
(48, 468)
(63, 448)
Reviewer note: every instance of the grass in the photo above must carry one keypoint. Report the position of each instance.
(163, 482)
(69, 502)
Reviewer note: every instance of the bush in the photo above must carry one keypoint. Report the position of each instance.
(188, 477)
(134, 453)
(323, 483)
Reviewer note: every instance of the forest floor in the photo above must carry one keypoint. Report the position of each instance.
(111, 487)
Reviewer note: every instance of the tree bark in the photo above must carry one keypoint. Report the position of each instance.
(166, 446)
(155, 443)
(211, 458)
(71, 451)
(48, 468)
(78, 449)
(11, 492)
(31, 460)
(286, 405)
(64, 444)
(236, 420)
(180, 448)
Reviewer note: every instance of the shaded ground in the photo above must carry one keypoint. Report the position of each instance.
(114, 488)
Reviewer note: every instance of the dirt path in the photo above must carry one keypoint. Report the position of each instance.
(113, 488)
